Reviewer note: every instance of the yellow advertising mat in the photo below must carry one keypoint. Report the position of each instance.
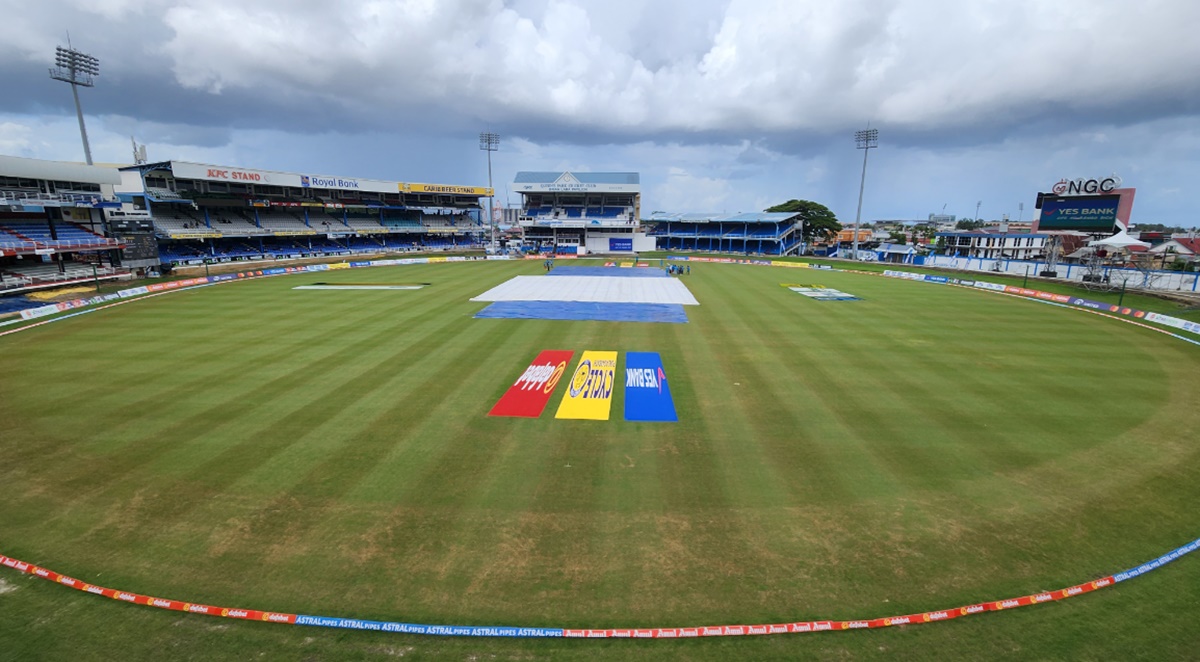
(589, 393)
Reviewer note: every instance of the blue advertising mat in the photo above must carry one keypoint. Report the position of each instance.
(610, 272)
(647, 392)
(586, 311)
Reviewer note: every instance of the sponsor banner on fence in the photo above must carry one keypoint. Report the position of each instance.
(1055, 298)
(1173, 322)
(527, 397)
(589, 392)
(587, 633)
(132, 292)
(994, 287)
(61, 306)
(903, 274)
(647, 392)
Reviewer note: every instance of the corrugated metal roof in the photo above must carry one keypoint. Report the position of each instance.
(582, 177)
(58, 171)
(703, 217)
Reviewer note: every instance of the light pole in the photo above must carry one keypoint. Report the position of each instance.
(77, 69)
(866, 140)
(490, 142)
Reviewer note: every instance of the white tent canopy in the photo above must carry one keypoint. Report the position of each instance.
(1121, 239)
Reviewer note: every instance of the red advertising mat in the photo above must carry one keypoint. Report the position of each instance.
(527, 397)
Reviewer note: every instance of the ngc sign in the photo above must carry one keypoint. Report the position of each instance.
(1087, 186)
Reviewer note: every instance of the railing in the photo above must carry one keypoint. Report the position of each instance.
(59, 245)
(36, 196)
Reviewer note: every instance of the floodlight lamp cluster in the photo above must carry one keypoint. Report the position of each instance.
(74, 67)
(489, 142)
(866, 138)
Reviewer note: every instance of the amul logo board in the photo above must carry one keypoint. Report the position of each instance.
(527, 397)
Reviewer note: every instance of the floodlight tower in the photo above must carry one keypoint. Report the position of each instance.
(866, 140)
(490, 142)
(76, 68)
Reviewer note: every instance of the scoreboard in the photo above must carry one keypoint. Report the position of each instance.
(1086, 213)
(1100, 205)
(138, 247)
(138, 237)
(131, 226)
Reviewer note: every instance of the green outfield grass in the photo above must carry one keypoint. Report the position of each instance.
(328, 452)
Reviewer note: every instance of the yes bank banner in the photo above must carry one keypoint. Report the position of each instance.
(647, 393)
(590, 387)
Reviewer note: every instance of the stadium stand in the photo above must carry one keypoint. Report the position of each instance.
(181, 252)
(48, 272)
(403, 224)
(9, 281)
(176, 221)
(203, 212)
(760, 233)
(164, 194)
(234, 223)
(363, 221)
(10, 239)
(281, 221)
(69, 235)
(323, 222)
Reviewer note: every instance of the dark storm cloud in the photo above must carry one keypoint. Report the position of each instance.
(788, 72)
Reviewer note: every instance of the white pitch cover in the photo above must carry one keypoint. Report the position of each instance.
(599, 289)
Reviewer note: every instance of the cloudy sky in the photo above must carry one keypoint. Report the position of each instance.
(721, 105)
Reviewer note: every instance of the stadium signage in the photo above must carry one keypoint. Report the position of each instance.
(590, 388)
(187, 170)
(577, 188)
(234, 175)
(1087, 186)
(528, 396)
(314, 181)
(647, 392)
(589, 396)
(1079, 213)
(448, 189)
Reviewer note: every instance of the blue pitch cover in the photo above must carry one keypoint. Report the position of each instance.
(647, 393)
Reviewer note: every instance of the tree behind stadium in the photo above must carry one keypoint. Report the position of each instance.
(819, 221)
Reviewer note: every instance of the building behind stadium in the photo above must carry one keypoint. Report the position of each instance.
(581, 213)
